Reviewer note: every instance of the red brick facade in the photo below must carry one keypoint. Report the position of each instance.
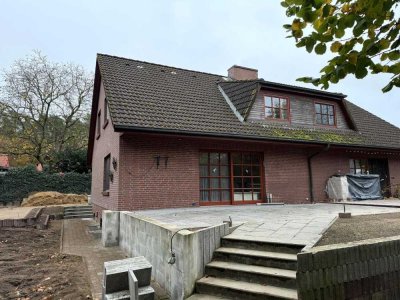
(140, 184)
(106, 143)
(394, 173)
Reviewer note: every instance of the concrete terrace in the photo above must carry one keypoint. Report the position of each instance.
(299, 224)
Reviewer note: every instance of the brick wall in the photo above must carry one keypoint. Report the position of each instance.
(394, 172)
(325, 165)
(139, 184)
(107, 143)
(286, 174)
(368, 269)
(143, 186)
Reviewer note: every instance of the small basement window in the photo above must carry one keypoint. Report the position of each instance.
(324, 114)
(276, 107)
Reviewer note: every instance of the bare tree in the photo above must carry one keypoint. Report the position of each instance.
(42, 104)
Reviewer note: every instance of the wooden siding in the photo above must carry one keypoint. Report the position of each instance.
(301, 111)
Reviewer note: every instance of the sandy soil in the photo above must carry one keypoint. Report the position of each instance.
(359, 228)
(31, 266)
(53, 198)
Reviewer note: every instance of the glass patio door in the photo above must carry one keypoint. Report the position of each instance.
(246, 172)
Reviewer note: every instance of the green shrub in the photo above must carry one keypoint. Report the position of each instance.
(20, 182)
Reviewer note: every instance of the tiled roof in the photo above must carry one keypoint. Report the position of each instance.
(242, 94)
(158, 98)
(375, 131)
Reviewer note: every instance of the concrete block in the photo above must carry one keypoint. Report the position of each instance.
(122, 295)
(116, 273)
(146, 293)
(110, 228)
(133, 285)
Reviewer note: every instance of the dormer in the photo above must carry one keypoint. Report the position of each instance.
(257, 100)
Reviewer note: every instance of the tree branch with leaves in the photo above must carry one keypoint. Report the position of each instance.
(362, 34)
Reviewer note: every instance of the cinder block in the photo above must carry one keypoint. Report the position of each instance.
(116, 273)
(304, 261)
(146, 293)
(133, 285)
(122, 295)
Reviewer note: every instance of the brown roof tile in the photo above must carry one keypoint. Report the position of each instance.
(152, 97)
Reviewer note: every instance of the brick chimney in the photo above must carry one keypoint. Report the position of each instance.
(242, 73)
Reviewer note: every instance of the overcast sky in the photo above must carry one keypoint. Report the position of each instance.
(207, 36)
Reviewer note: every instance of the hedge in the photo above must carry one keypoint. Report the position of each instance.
(19, 183)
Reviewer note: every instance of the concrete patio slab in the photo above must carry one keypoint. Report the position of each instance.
(298, 224)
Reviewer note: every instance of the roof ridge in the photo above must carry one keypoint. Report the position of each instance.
(155, 64)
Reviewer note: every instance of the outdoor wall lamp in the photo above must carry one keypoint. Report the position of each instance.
(114, 163)
(172, 259)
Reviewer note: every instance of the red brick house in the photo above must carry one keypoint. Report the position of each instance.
(167, 137)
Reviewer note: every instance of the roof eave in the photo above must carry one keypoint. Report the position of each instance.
(124, 128)
(302, 91)
(93, 116)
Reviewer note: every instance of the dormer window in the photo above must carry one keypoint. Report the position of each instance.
(324, 114)
(276, 107)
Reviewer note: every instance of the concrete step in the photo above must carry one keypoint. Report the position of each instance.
(253, 274)
(206, 297)
(257, 257)
(78, 208)
(232, 242)
(242, 290)
(83, 208)
(75, 216)
(77, 212)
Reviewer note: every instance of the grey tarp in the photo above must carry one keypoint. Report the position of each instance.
(364, 187)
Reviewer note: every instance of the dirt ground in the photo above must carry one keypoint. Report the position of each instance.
(31, 266)
(359, 228)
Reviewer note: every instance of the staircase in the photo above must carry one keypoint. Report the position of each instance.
(250, 270)
(81, 211)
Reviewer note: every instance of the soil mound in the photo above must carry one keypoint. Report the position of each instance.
(53, 198)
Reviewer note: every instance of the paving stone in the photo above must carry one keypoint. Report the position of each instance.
(285, 223)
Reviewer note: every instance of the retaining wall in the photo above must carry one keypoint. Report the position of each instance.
(141, 236)
(368, 269)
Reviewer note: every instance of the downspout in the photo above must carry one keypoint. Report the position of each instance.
(310, 176)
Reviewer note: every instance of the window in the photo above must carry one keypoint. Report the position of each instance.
(359, 166)
(276, 108)
(98, 124)
(246, 176)
(106, 173)
(214, 177)
(324, 114)
(220, 170)
(105, 112)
